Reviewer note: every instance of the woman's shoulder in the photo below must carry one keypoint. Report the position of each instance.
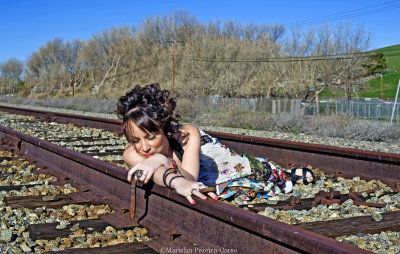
(189, 129)
(188, 134)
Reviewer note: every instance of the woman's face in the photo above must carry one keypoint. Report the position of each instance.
(147, 144)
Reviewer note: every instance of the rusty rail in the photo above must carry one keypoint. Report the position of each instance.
(208, 224)
(366, 164)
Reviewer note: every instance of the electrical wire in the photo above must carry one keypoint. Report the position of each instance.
(276, 59)
(137, 69)
(391, 5)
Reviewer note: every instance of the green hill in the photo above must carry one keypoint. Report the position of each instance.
(372, 88)
(392, 56)
(390, 79)
(389, 86)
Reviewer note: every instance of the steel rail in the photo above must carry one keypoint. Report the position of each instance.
(65, 118)
(350, 162)
(209, 224)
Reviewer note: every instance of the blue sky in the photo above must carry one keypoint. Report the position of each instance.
(26, 25)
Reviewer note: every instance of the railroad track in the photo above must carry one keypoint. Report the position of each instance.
(39, 216)
(209, 225)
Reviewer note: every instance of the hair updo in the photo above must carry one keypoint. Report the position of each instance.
(149, 108)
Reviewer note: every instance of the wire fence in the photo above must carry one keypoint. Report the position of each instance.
(367, 108)
(373, 108)
(264, 105)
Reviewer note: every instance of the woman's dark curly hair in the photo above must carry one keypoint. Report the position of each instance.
(150, 108)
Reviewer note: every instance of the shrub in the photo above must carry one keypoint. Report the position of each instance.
(188, 110)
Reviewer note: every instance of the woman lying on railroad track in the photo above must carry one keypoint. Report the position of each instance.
(183, 158)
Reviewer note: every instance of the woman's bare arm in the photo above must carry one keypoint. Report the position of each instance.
(191, 155)
(183, 185)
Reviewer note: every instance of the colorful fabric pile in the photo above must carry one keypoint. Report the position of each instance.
(239, 176)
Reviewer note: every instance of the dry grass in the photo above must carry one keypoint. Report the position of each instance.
(339, 126)
(78, 103)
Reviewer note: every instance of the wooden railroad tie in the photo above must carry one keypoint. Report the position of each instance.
(125, 248)
(16, 187)
(354, 225)
(51, 201)
(49, 231)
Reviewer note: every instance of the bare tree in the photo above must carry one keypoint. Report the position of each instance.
(217, 58)
(11, 72)
(53, 68)
(335, 55)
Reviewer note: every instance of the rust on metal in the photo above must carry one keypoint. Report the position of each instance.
(329, 202)
(358, 200)
(352, 226)
(48, 117)
(354, 196)
(396, 187)
(294, 201)
(337, 174)
(11, 143)
(79, 120)
(327, 198)
(133, 198)
(370, 204)
(366, 164)
(158, 207)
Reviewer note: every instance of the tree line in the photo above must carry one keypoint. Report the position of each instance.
(217, 58)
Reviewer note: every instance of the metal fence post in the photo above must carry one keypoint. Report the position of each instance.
(395, 100)
(369, 109)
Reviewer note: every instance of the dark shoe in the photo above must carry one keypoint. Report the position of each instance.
(294, 178)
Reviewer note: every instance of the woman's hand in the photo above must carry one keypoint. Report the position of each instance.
(148, 167)
(188, 188)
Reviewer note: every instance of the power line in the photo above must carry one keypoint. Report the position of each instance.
(262, 60)
(371, 9)
(155, 64)
(339, 13)
(275, 59)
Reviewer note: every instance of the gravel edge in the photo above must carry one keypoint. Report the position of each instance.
(357, 144)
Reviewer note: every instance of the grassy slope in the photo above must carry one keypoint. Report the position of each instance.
(389, 86)
(373, 87)
(392, 56)
(391, 79)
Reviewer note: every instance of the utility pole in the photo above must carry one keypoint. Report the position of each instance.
(73, 85)
(381, 85)
(173, 67)
(364, 91)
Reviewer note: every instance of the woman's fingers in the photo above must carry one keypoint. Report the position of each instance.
(141, 174)
(143, 177)
(147, 178)
(194, 192)
(190, 199)
(131, 172)
(190, 189)
(212, 195)
(209, 190)
(197, 193)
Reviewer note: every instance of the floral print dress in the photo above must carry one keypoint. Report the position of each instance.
(239, 176)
